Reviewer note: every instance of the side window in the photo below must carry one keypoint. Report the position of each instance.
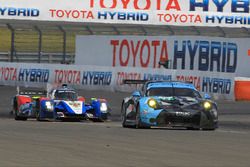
(197, 94)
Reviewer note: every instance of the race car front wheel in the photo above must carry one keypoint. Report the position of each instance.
(18, 118)
(38, 117)
(138, 124)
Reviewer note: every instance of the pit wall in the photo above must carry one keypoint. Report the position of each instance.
(219, 85)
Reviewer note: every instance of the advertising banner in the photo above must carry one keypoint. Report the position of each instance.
(49, 75)
(224, 13)
(218, 85)
(204, 54)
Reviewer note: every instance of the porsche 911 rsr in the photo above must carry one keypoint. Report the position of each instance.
(169, 104)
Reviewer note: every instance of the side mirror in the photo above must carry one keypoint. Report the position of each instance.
(207, 96)
(136, 94)
(165, 64)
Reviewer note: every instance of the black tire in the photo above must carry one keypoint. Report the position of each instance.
(208, 129)
(104, 117)
(38, 116)
(192, 128)
(123, 116)
(211, 127)
(138, 124)
(18, 118)
(11, 112)
(97, 120)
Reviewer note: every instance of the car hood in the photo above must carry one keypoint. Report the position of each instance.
(75, 107)
(182, 102)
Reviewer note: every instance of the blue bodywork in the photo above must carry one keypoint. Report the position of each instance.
(173, 106)
(62, 110)
(59, 104)
(146, 112)
(170, 85)
(65, 104)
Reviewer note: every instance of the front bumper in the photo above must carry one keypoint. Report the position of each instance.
(164, 118)
(62, 115)
(179, 118)
(185, 119)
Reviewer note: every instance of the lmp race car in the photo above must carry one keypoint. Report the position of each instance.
(60, 104)
(168, 104)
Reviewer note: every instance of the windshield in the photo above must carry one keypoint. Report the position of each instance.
(173, 92)
(65, 95)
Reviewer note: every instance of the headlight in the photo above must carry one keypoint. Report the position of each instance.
(207, 105)
(93, 99)
(49, 105)
(152, 103)
(104, 107)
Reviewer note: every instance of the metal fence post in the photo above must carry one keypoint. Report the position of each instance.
(39, 44)
(64, 43)
(12, 48)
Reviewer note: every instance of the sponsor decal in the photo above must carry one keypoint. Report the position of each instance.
(195, 80)
(74, 104)
(23, 12)
(192, 12)
(231, 20)
(67, 76)
(236, 6)
(120, 76)
(207, 55)
(225, 13)
(96, 78)
(216, 85)
(201, 55)
(33, 75)
(24, 74)
(136, 4)
(142, 53)
(71, 14)
(8, 74)
(130, 16)
(157, 77)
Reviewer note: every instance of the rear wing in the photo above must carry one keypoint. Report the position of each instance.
(138, 83)
(31, 91)
(145, 83)
(131, 81)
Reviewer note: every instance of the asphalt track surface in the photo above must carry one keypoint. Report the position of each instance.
(72, 144)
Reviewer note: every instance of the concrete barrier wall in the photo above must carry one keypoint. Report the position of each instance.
(218, 85)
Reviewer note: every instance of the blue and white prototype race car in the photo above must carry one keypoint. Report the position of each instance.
(168, 104)
(60, 104)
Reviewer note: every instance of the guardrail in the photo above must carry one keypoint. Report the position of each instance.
(53, 58)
